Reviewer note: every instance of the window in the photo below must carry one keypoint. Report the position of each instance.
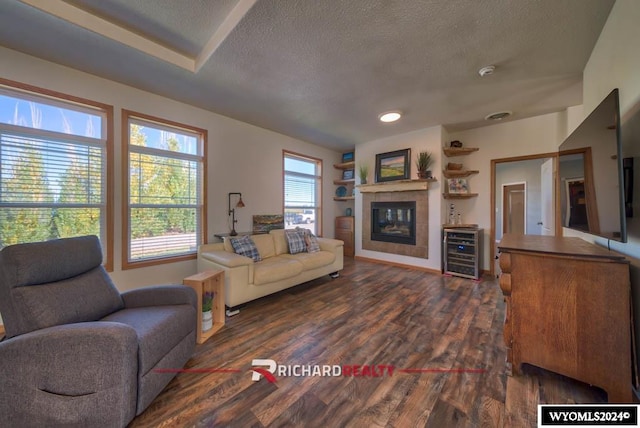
(165, 217)
(302, 192)
(54, 152)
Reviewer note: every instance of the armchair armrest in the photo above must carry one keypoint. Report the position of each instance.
(159, 295)
(52, 376)
(226, 259)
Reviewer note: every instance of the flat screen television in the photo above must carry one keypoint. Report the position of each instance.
(592, 187)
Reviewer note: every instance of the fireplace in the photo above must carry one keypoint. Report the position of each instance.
(417, 202)
(394, 222)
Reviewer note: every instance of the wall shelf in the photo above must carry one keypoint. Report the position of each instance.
(460, 226)
(345, 165)
(352, 181)
(459, 151)
(453, 173)
(459, 195)
(349, 184)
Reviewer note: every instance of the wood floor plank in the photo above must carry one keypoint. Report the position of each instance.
(522, 398)
(447, 415)
(491, 413)
(305, 409)
(426, 326)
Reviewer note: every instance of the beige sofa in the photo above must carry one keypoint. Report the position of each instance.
(246, 280)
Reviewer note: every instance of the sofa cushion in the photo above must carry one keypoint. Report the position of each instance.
(279, 241)
(312, 260)
(295, 239)
(245, 246)
(265, 246)
(275, 269)
(159, 330)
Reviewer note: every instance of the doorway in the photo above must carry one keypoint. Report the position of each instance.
(576, 217)
(538, 175)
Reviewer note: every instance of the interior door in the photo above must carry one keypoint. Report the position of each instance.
(514, 209)
(547, 188)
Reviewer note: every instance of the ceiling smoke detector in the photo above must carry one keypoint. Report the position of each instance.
(498, 116)
(485, 71)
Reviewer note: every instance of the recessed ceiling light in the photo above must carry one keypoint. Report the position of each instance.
(485, 71)
(498, 116)
(390, 116)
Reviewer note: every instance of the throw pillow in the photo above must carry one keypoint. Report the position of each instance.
(296, 241)
(311, 241)
(246, 247)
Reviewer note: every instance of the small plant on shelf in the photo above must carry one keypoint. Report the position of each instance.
(423, 162)
(207, 301)
(363, 172)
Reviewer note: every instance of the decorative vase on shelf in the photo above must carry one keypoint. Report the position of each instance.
(424, 174)
(207, 320)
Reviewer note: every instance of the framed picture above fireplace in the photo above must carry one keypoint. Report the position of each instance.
(394, 165)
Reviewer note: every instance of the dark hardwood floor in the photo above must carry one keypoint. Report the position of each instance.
(372, 314)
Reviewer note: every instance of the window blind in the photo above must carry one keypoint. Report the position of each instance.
(52, 185)
(165, 191)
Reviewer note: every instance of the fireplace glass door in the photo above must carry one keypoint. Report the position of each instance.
(393, 222)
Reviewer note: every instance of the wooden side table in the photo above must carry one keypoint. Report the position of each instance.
(344, 230)
(212, 280)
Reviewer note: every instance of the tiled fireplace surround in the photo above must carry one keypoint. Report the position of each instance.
(421, 249)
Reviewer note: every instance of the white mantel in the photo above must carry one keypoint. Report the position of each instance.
(396, 186)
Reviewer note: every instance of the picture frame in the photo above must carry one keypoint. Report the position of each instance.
(347, 157)
(457, 186)
(263, 223)
(391, 166)
(347, 174)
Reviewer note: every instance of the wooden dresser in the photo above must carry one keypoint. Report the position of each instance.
(568, 310)
(344, 230)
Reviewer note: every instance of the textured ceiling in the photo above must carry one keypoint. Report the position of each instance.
(322, 71)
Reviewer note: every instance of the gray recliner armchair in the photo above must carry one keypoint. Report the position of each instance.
(76, 351)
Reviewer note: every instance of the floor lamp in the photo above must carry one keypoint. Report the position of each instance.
(232, 212)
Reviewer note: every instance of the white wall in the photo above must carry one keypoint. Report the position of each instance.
(242, 158)
(615, 63)
(540, 134)
(425, 139)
